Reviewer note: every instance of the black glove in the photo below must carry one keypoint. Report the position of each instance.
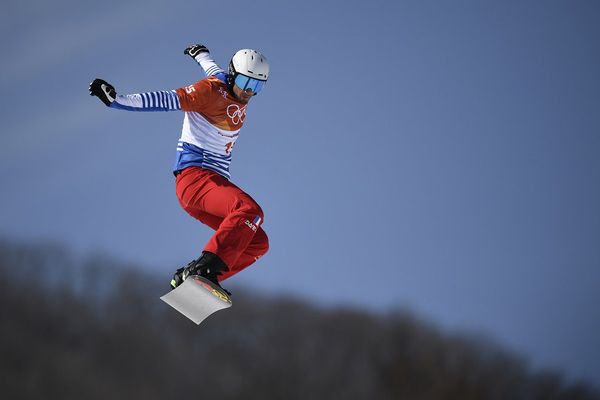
(103, 90)
(195, 49)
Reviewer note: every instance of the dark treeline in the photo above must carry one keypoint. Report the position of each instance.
(94, 329)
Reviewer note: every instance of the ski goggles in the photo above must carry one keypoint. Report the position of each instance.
(245, 82)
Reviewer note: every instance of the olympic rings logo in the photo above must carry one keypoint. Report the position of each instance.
(237, 114)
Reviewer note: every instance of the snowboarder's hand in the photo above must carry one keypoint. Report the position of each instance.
(195, 49)
(103, 90)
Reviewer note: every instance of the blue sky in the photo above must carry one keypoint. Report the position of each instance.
(439, 156)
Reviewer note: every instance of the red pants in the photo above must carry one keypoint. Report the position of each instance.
(210, 198)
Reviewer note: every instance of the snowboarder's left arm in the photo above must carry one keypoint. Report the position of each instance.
(201, 55)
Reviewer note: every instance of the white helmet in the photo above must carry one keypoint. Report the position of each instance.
(250, 63)
(249, 70)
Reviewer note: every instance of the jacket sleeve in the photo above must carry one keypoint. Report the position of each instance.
(195, 97)
(151, 101)
(208, 65)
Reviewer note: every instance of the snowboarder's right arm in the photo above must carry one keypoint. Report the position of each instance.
(188, 98)
(164, 100)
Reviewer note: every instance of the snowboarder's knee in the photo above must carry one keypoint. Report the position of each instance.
(251, 209)
(263, 241)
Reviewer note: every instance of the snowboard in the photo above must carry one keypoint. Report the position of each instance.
(197, 298)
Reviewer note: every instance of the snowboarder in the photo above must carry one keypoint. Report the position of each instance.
(215, 110)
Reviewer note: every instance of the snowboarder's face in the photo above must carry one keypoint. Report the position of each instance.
(243, 96)
(245, 87)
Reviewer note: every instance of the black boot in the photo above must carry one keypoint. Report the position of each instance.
(208, 266)
(177, 277)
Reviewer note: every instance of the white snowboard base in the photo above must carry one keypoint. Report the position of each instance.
(197, 298)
